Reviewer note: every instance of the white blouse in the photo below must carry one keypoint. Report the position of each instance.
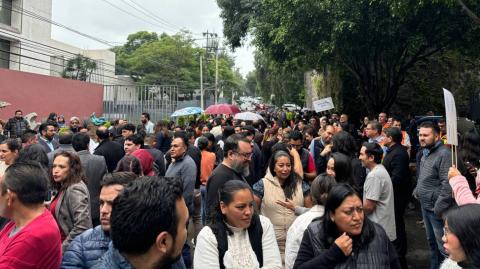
(240, 254)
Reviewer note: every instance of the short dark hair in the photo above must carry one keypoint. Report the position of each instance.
(18, 110)
(12, 144)
(228, 131)
(145, 208)
(136, 139)
(43, 126)
(182, 135)
(320, 188)
(376, 126)
(28, 180)
(118, 178)
(395, 133)
(295, 135)
(210, 137)
(80, 141)
(431, 125)
(102, 133)
(65, 137)
(27, 135)
(231, 143)
(146, 115)
(129, 127)
(202, 142)
(375, 150)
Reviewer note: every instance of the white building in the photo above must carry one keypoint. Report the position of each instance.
(26, 43)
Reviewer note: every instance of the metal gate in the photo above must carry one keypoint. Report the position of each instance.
(130, 101)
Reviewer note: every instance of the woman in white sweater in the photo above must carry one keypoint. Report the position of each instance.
(237, 238)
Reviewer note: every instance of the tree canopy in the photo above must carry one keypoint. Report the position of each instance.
(376, 42)
(150, 58)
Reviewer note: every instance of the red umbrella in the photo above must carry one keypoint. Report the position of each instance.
(222, 109)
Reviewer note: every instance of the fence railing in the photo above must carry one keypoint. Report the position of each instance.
(130, 101)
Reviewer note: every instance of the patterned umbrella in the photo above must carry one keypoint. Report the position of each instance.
(187, 111)
(250, 116)
(222, 109)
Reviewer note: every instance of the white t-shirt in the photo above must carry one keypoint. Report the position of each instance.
(378, 187)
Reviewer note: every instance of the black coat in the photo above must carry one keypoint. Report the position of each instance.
(396, 162)
(112, 152)
(379, 253)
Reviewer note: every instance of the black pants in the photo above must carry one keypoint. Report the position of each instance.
(401, 198)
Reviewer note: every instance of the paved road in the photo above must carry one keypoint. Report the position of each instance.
(418, 255)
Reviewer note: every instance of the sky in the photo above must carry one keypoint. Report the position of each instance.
(100, 19)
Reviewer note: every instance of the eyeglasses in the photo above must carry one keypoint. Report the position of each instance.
(246, 155)
(350, 211)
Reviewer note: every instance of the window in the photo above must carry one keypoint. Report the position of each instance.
(6, 12)
(4, 53)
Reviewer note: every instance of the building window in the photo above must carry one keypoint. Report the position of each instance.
(4, 53)
(6, 12)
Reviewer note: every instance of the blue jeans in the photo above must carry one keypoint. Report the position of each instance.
(434, 230)
(203, 193)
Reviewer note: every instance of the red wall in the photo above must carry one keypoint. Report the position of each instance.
(44, 94)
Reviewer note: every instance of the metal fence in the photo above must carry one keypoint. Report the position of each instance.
(129, 101)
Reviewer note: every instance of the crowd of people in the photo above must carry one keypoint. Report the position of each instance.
(308, 191)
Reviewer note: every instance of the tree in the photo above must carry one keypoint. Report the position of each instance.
(79, 68)
(376, 41)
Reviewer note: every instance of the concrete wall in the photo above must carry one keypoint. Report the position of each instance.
(44, 94)
(26, 28)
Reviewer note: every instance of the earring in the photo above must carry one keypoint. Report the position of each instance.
(333, 220)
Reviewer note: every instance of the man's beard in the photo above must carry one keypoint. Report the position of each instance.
(240, 168)
(168, 261)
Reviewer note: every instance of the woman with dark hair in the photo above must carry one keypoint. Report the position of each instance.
(339, 166)
(344, 238)
(9, 149)
(130, 163)
(344, 142)
(35, 153)
(279, 192)
(71, 203)
(321, 185)
(61, 121)
(164, 138)
(461, 240)
(309, 136)
(236, 237)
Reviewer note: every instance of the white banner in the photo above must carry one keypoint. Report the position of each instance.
(451, 115)
(323, 104)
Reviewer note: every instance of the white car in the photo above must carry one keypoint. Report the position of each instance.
(291, 107)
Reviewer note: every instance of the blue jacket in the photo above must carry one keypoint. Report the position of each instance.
(86, 249)
(112, 259)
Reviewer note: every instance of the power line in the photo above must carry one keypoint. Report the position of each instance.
(33, 15)
(133, 15)
(149, 14)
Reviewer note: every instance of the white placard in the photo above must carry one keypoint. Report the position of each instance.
(323, 104)
(451, 115)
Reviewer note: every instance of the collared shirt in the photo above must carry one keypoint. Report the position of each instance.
(48, 142)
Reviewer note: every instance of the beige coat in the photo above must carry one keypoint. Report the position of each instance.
(280, 216)
(73, 212)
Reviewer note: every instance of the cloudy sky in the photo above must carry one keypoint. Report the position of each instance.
(100, 19)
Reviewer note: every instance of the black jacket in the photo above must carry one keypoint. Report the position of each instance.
(112, 152)
(379, 253)
(397, 164)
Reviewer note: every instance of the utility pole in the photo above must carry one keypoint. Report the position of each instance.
(212, 46)
(201, 83)
(216, 76)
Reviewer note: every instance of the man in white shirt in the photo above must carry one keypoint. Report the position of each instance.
(378, 203)
(147, 125)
